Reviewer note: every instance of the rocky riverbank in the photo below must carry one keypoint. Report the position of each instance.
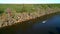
(20, 17)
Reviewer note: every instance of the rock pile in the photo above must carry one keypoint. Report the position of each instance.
(10, 19)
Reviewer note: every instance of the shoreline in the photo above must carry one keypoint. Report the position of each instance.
(41, 18)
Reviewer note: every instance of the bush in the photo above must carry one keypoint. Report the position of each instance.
(1, 11)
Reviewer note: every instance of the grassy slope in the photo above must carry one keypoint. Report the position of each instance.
(26, 7)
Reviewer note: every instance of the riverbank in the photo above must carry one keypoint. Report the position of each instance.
(30, 22)
(25, 16)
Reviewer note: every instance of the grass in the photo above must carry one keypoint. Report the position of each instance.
(26, 7)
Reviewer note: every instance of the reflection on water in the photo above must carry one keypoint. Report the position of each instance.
(43, 26)
(44, 21)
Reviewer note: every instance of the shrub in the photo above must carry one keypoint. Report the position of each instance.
(1, 11)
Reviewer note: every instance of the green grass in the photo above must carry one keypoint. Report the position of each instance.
(26, 7)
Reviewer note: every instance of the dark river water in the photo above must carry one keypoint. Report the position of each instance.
(47, 26)
(51, 26)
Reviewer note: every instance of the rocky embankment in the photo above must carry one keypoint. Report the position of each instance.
(27, 16)
(6, 21)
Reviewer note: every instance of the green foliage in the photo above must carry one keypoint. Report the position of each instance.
(1, 11)
(26, 7)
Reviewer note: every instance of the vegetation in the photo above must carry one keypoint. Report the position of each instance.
(26, 7)
(19, 9)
